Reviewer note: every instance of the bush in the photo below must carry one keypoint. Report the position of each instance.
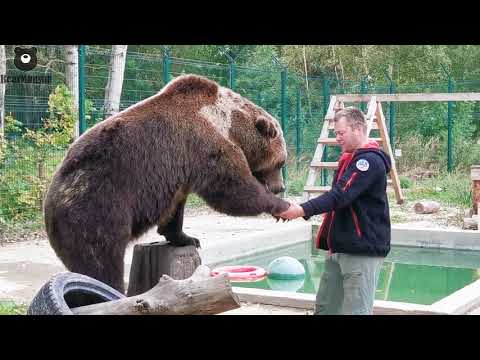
(405, 183)
(30, 157)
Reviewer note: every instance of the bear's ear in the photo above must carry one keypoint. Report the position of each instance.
(265, 128)
(34, 50)
(191, 85)
(18, 50)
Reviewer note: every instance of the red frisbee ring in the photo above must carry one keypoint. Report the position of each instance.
(241, 272)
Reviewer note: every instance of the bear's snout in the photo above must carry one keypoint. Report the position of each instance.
(276, 189)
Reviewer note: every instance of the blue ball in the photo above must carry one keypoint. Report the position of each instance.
(286, 268)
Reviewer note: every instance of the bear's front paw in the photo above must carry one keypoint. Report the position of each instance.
(280, 207)
(183, 239)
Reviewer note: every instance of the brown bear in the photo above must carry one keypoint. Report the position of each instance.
(135, 169)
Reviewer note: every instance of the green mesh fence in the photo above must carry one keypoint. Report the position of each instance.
(26, 168)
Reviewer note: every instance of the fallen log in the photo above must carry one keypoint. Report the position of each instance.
(200, 294)
(426, 207)
(470, 223)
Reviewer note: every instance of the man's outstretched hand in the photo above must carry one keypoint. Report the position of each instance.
(293, 212)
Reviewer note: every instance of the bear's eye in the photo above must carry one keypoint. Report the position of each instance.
(281, 165)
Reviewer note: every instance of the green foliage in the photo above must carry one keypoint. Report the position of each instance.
(195, 201)
(405, 182)
(11, 308)
(297, 177)
(30, 159)
(451, 189)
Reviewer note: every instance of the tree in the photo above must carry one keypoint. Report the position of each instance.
(113, 90)
(71, 76)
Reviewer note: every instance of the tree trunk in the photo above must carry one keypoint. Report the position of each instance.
(152, 260)
(426, 207)
(3, 72)
(201, 294)
(113, 91)
(71, 77)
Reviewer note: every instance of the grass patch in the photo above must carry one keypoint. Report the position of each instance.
(10, 308)
(450, 189)
(398, 218)
(195, 201)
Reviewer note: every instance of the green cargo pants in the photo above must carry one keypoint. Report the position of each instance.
(348, 284)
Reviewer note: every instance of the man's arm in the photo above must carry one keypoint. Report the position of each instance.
(354, 182)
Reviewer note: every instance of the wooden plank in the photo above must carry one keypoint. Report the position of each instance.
(324, 164)
(393, 172)
(331, 108)
(371, 114)
(331, 126)
(312, 172)
(333, 141)
(317, 189)
(472, 96)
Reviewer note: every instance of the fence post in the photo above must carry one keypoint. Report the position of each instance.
(166, 65)
(283, 96)
(81, 89)
(232, 71)
(450, 127)
(449, 123)
(326, 103)
(297, 127)
(363, 91)
(391, 106)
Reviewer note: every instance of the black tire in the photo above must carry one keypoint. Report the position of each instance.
(68, 290)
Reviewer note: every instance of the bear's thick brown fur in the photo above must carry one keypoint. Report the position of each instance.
(135, 170)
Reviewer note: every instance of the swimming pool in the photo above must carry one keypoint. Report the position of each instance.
(409, 274)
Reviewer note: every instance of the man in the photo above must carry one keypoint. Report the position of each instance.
(356, 227)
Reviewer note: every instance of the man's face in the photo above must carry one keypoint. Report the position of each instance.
(349, 138)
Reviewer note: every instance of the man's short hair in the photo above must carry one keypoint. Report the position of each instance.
(354, 117)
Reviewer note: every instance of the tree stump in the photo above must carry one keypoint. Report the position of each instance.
(151, 261)
(475, 176)
(468, 213)
(201, 294)
(426, 207)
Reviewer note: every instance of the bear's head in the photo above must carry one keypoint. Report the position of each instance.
(239, 120)
(25, 58)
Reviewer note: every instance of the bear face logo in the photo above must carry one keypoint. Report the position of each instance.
(25, 58)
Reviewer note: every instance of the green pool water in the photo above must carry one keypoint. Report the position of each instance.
(409, 274)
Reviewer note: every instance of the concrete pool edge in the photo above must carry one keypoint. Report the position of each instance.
(459, 302)
(307, 301)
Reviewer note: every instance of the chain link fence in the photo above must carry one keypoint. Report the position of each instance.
(300, 105)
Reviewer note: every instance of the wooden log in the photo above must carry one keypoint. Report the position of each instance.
(152, 260)
(475, 176)
(201, 294)
(426, 207)
(470, 223)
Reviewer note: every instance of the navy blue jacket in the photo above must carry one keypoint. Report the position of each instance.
(358, 216)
